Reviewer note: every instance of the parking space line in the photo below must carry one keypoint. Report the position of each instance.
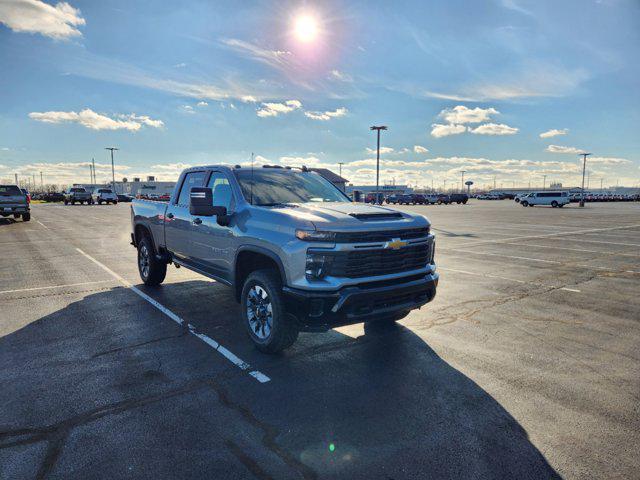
(54, 286)
(259, 376)
(575, 232)
(42, 224)
(553, 247)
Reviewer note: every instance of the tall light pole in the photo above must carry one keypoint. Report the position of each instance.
(381, 127)
(584, 167)
(462, 188)
(113, 171)
(544, 182)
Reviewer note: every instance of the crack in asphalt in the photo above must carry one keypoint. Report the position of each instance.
(136, 345)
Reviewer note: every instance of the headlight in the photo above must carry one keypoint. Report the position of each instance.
(315, 236)
(317, 265)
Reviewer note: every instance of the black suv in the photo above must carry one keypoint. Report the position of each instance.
(459, 198)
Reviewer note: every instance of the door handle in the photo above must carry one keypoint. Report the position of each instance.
(169, 215)
(197, 221)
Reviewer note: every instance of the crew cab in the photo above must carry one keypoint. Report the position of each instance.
(77, 195)
(14, 201)
(298, 254)
(104, 195)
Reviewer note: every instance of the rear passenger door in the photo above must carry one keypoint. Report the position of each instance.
(178, 220)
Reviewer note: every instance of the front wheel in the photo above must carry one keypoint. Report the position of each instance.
(525, 203)
(152, 271)
(554, 204)
(270, 327)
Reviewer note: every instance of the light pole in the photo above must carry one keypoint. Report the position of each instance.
(381, 127)
(113, 171)
(584, 167)
(544, 182)
(462, 189)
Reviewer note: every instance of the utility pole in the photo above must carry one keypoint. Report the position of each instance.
(378, 129)
(93, 166)
(113, 171)
(494, 182)
(16, 177)
(41, 182)
(588, 179)
(544, 182)
(601, 185)
(584, 167)
(444, 190)
(462, 184)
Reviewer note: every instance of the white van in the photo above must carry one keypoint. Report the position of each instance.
(555, 199)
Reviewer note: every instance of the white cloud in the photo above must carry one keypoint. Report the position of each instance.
(383, 150)
(461, 114)
(299, 161)
(608, 160)
(554, 133)
(33, 16)
(180, 65)
(341, 76)
(338, 112)
(187, 109)
(439, 130)
(202, 104)
(420, 149)
(494, 129)
(274, 58)
(275, 109)
(562, 149)
(95, 121)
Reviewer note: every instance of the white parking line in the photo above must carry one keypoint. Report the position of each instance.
(33, 289)
(43, 225)
(259, 376)
(553, 247)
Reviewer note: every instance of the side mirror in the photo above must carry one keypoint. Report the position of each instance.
(201, 203)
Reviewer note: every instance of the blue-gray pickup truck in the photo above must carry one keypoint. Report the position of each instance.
(297, 252)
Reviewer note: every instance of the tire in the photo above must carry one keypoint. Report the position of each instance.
(16, 215)
(66, 202)
(152, 271)
(99, 202)
(525, 203)
(26, 217)
(554, 204)
(263, 306)
(517, 200)
(561, 205)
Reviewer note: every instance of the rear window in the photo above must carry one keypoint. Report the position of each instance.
(10, 190)
(104, 190)
(81, 190)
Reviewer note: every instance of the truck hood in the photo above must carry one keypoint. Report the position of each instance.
(343, 216)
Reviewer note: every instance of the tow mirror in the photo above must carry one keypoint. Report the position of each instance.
(201, 203)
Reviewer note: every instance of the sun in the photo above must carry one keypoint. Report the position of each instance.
(306, 28)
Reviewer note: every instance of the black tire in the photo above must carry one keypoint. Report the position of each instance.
(525, 203)
(26, 217)
(16, 215)
(554, 204)
(152, 271)
(284, 331)
(561, 205)
(72, 202)
(99, 202)
(66, 202)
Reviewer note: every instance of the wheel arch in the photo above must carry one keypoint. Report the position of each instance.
(251, 258)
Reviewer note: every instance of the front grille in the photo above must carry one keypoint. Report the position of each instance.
(367, 263)
(378, 236)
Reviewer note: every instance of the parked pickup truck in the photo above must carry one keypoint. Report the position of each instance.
(13, 201)
(77, 194)
(298, 254)
(105, 195)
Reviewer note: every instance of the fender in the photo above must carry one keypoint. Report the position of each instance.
(263, 251)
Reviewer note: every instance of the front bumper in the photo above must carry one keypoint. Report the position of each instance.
(321, 311)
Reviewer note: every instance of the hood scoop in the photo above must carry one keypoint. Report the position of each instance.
(377, 216)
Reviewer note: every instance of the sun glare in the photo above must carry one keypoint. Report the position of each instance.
(306, 28)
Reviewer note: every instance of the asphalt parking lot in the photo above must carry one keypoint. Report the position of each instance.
(526, 365)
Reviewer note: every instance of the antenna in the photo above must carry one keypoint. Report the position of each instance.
(251, 188)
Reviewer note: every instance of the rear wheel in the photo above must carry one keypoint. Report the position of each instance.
(16, 215)
(554, 204)
(26, 217)
(152, 271)
(270, 327)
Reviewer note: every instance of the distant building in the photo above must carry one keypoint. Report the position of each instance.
(384, 189)
(138, 187)
(337, 180)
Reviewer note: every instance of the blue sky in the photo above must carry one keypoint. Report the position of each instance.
(509, 89)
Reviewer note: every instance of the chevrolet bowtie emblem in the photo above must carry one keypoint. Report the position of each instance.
(395, 244)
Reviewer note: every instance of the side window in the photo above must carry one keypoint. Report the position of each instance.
(222, 194)
(191, 179)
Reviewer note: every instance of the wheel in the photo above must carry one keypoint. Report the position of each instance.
(16, 215)
(525, 203)
(270, 327)
(26, 217)
(66, 202)
(152, 271)
(517, 200)
(561, 205)
(554, 204)
(99, 202)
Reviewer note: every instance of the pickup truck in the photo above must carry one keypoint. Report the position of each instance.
(298, 254)
(77, 194)
(14, 201)
(105, 195)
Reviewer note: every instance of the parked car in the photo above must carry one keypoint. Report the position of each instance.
(459, 198)
(411, 199)
(371, 198)
(393, 198)
(554, 199)
(123, 197)
(77, 195)
(104, 195)
(298, 254)
(14, 201)
(52, 197)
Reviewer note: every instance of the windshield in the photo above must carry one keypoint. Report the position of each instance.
(77, 190)
(9, 190)
(104, 190)
(278, 186)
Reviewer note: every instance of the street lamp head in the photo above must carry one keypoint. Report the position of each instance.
(381, 127)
